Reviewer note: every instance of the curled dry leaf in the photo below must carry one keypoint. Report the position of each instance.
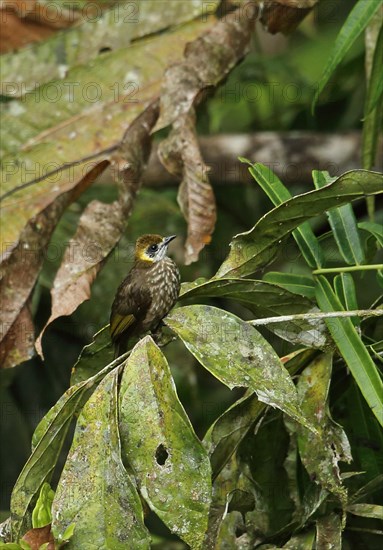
(38, 536)
(285, 15)
(207, 60)
(20, 269)
(181, 155)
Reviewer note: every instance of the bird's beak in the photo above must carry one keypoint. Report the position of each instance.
(167, 240)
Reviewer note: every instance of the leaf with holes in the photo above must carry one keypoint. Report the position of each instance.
(158, 441)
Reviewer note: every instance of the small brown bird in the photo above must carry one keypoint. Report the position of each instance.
(148, 292)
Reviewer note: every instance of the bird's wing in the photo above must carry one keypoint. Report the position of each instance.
(129, 307)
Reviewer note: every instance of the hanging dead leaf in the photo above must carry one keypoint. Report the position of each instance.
(20, 269)
(181, 155)
(207, 60)
(285, 15)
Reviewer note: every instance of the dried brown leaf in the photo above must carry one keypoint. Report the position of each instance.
(181, 155)
(285, 15)
(20, 269)
(17, 345)
(38, 536)
(207, 60)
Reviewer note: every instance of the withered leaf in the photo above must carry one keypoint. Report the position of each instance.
(38, 536)
(181, 155)
(285, 15)
(207, 60)
(17, 345)
(20, 269)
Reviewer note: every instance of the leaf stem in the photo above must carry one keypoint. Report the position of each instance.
(317, 315)
(348, 268)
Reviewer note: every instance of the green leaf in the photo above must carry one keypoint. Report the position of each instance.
(373, 511)
(93, 357)
(298, 284)
(278, 194)
(158, 441)
(301, 541)
(264, 299)
(260, 245)
(352, 349)
(95, 492)
(374, 229)
(345, 290)
(114, 29)
(47, 442)
(375, 85)
(321, 453)
(367, 490)
(41, 515)
(227, 432)
(68, 533)
(235, 353)
(343, 224)
(354, 25)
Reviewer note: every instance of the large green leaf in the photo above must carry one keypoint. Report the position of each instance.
(343, 224)
(267, 300)
(47, 442)
(352, 349)
(158, 442)
(278, 193)
(95, 492)
(260, 245)
(345, 290)
(321, 453)
(355, 23)
(237, 354)
(112, 30)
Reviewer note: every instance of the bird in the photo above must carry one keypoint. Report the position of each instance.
(147, 294)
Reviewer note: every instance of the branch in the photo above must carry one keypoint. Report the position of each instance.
(316, 316)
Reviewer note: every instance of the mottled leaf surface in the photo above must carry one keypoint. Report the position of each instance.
(47, 442)
(158, 442)
(111, 30)
(237, 354)
(266, 299)
(95, 492)
(322, 452)
(260, 245)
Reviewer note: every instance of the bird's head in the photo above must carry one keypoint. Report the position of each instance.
(152, 248)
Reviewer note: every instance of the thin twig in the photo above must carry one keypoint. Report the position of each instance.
(318, 315)
(371, 267)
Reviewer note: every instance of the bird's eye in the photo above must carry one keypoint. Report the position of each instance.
(153, 247)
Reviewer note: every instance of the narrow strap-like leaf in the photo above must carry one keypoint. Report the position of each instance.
(352, 349)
